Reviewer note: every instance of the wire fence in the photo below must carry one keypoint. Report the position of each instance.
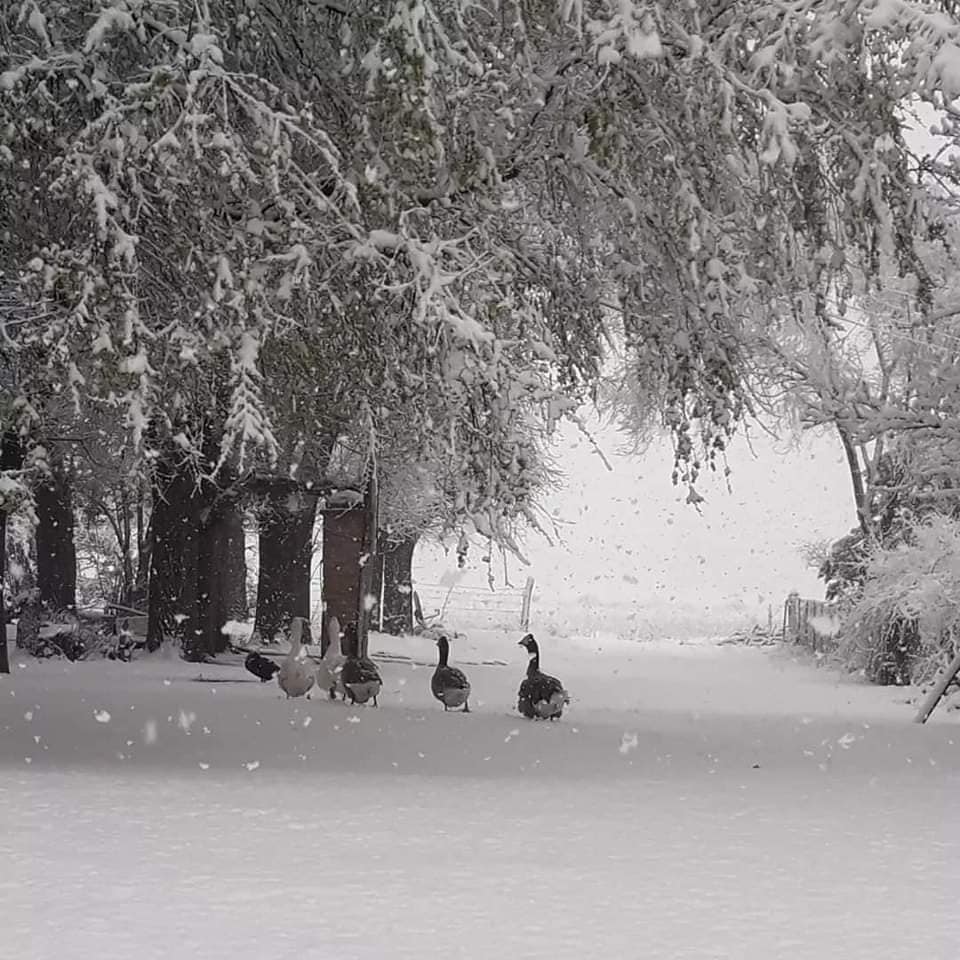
(475, 607)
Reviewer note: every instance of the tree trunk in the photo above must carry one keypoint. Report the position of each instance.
(178, 505)
(236, 604)
(4, 655)
(222, 573)
(56, 550)
(856, 478)
(370, 560)
(376, 579)
(138, 597)
(286, 556)
(11, 458)
(398, 586)
(125, 544)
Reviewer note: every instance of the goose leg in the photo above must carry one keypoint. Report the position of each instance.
(466, 706)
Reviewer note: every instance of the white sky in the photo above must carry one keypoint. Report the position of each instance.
(635, 557)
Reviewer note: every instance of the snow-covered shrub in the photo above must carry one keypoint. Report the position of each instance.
(905, 624)
(81, 641)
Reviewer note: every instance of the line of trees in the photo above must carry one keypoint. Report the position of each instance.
(236, 237)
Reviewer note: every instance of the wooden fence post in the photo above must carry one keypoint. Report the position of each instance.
(525, 605)
(791, 617)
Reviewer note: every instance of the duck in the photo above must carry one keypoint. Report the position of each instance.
(449, 685)
(540, 696)
(331, 663)
(262, 667)
(359, 675)
(295, 676)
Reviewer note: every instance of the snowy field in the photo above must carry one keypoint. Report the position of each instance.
(697, 802)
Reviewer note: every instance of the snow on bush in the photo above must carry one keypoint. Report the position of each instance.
(908, 613)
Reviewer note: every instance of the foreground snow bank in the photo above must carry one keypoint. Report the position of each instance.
(696, 803)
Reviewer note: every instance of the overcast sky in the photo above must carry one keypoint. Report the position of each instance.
(634, 553)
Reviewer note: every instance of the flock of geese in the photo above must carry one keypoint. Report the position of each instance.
(357, 679)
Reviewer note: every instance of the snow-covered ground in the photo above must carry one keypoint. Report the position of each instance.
(697, 802)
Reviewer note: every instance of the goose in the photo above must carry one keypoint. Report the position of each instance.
(540, 696)
(295, 676)
(359, 675)
(262, 667)
(331, 663)
(449, 685)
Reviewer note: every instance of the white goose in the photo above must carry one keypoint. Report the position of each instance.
(295, 676)
(331, 664)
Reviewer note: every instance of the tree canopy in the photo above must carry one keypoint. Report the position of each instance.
(448, 206)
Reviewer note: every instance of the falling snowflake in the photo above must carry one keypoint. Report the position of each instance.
(101, 716)
(252, 765)
(28, 716)
(150, 731)
(353, 719)
(307, 721)
(628, 742)
(203, 766)
(186, 720)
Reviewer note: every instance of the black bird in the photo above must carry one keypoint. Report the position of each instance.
(449, 685)
(359, 676)
(261, 667)
(540, 696)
